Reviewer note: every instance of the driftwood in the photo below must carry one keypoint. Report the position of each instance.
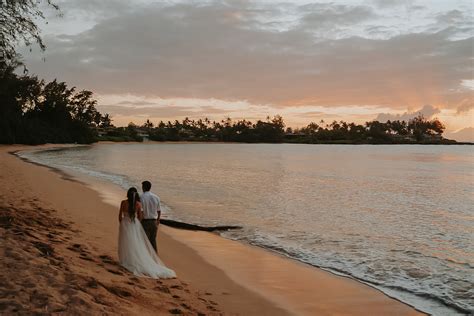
(181, 225)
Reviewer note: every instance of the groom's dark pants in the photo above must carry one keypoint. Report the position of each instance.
(150, 227)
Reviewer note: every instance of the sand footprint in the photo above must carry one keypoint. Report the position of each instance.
(45, 249)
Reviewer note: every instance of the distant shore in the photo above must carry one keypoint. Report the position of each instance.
(190, 141)
(64, 235)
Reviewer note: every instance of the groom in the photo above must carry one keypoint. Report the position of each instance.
(151, 212)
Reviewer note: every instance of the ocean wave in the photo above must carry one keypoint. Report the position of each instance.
(424, 301)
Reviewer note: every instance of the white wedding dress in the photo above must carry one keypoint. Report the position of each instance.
(136, 253)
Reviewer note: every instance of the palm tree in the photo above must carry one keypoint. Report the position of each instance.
(148, 124)
(105, 121)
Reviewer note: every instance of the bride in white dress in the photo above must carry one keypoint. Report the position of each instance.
(134, 249)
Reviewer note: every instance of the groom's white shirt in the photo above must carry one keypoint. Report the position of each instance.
(150, 205)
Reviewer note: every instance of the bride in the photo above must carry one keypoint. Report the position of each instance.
(134, 249)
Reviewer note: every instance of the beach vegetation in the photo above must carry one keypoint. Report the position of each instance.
(34, 111)
(272, 130)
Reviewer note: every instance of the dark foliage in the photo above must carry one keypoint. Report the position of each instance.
(269, 131)
(35, 112)
(417, 130)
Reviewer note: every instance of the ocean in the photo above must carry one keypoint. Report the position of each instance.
(398, 217)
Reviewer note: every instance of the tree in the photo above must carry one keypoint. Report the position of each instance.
(17, 25)
(418, 126)
(311, 129)
(271, 131)
(437, 126)
(103, 121)
(399, 127)
(83, 108)
(148, 124)
(378, 131)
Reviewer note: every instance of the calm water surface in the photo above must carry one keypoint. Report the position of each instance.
(400, 218)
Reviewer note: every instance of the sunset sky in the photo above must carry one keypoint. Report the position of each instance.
(353, 60)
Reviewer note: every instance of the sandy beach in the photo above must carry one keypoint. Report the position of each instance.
(59, 255)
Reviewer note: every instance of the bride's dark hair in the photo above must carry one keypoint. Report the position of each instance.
(133, 198)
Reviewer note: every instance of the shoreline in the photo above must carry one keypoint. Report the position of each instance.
(241, 281)
(298, 143)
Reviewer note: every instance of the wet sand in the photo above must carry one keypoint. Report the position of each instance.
(215, 275)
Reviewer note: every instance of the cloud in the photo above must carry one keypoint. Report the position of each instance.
(329, 15)
(225, 51)
(135, 103)
(164, 109)
(96, 9)
(465, 106)
(456, 19)
(391, 3)
(463, 135)
(148, 111)
(427, 111)
(450, 17)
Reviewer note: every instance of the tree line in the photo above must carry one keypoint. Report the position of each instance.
(417, 129)
(272, 130)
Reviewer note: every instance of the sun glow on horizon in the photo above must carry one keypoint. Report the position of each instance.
(132, 108)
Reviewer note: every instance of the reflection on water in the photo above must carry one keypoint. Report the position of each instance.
(399, 217)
